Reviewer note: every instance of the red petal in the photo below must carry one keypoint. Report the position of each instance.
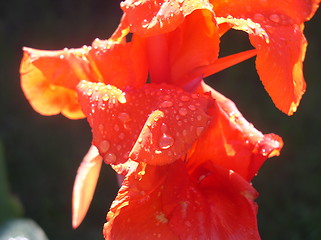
(283, 56)
(85, 184)
(193, 45)
(298, 10)
(238, 145)
(119, 64)
(275, 30)
(49, 78)
(211, 203)
(147, 18)
(160, 121)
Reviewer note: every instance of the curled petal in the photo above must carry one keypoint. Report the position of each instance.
(49, 79)
(147, 18)
(276, 31)
(193, 45)
(210, 203)
(156, 124)
(238, 145)
(108, 58)
(85, 184)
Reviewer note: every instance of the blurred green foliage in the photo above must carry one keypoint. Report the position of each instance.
(10, 206)
(43, 153)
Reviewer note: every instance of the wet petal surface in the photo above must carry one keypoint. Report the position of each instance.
(239, 146)
(276, 31)
(154, 124)
(210, 203)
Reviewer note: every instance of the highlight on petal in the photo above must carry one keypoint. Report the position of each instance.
(161, 121)
(276, 31)
(49, 78)
(85, 184)
(210, 203)
(238, 145)
(193, 45)
(119, 64)
(147, 18)
(174, 56)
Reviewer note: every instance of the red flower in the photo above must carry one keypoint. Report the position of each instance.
(175, 202)
(187, 153)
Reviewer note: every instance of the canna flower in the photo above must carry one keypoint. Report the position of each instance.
(275, 30)
(180, 145)
(173, 190)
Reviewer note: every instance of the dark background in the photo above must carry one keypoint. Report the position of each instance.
(43, 153)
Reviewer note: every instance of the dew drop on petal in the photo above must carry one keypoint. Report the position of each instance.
(124, 117)
(165, 141)
(184, 132)
(166, 104)
(192, 107)
(105, 97)
(185, 98)
(275, 18)
(116, 127)
(101, 127)
(104, 146)
(258, 17)
(89, 92)
(183, 111)
(199, 131)
(110, 158)
(122, 99)
(121, 136)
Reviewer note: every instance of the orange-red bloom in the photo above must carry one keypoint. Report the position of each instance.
(186, 151)
(176, 202)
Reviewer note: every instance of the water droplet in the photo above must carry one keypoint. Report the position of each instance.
(185, 98)
(104, 146)
(165, 141)
(124, 117)
(61, 56)
(110, 158)
(121, 98)
(89, 92)
(258, 17)
(264, 2)
(121, 136)
(275, 18)
(264, 152)
(199, 117)
(105, 97)
(192, 107)
(195, 96)
(102, 106)
(166, 97)
(199, 131)
(116, 127)
(183, 111)
(166, 104)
